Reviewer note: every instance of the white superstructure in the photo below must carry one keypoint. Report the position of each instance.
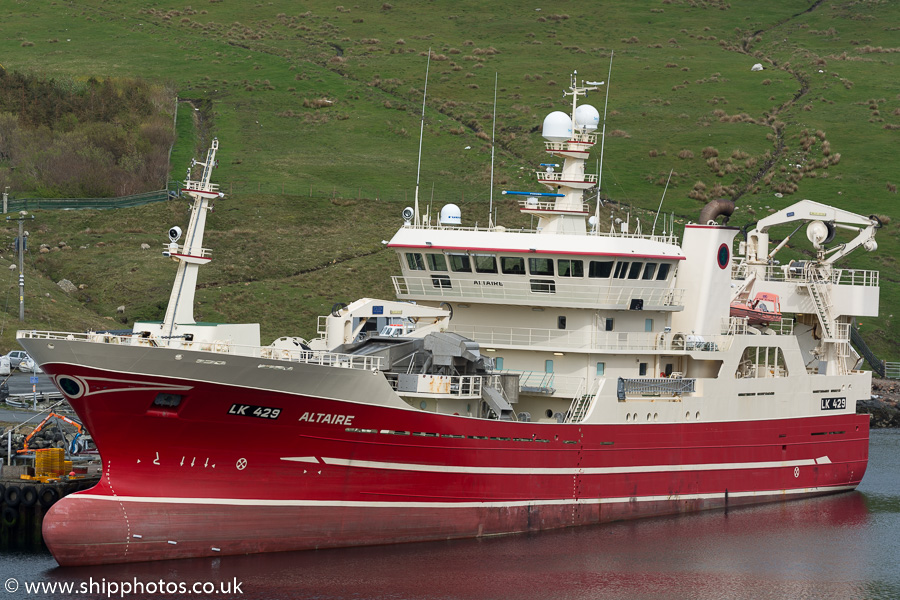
(623, 326)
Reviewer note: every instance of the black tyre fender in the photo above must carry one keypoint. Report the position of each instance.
(29, 495)
(9, 516)
(49, 495)
(2, 491)
(12, 496)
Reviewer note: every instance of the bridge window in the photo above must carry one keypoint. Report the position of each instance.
(663, 272)
(561, 322)
(540, 266)
(635, 270)
(460, 263)
(485, 263)
(609, 324)
(601, 369)
(512, 265)
(642, 369)
(600, 268)
(441, 281)
(415, 261)
(649, 271)
(543, 286)
(570, 268)
(436, 262)
(621, 270)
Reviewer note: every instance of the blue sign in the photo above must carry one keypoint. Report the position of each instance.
(377, 310)
(34, 379)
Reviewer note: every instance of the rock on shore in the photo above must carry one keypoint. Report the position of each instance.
(883, 404)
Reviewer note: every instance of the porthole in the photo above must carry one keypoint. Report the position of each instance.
(70, 386)
(628, 417)
(687, 416)
(649, 417)
(423, 405)
(723, 256)
(549, 413)
(697, 416)
(655, 417)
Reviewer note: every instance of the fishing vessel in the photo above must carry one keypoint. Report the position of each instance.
(528, 379)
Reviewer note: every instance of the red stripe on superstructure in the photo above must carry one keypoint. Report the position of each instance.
(563, 181)
(552, 210)
(698, 226)
(529, 251)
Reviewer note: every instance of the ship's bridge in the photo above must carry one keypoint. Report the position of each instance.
(625, 271)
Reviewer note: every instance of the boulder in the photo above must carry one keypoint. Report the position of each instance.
(67, 286)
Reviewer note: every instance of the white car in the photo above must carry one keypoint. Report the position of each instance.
(15, 357)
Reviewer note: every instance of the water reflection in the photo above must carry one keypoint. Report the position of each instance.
(801, 549)
(836, 547)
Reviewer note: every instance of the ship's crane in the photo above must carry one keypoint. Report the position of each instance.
(823, 221)
(64, 418)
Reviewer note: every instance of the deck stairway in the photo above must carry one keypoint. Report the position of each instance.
(579, 408)
(818, 291)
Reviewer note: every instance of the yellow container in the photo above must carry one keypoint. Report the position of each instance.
(49, 461)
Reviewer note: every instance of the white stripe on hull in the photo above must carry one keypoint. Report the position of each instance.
(392, 466)
(495, 504)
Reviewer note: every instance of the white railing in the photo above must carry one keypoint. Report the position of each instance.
(468, 386)
(533, 205)
(562, 176)
(669, 238)
(327, 359)
(805, 273)
(739, 326)
(488, 336)
(556, 291)
(199, 185)
(539, 382)
(179, 249)
(577, 138)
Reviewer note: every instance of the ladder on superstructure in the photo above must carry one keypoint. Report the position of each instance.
(821, 298)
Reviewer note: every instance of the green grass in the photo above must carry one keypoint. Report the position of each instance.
(681, 80)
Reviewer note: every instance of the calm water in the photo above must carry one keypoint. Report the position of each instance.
(840, 547)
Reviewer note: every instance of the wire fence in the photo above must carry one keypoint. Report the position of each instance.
(17, 204)
(228, 188)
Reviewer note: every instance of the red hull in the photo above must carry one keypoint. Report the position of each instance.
(199, 481)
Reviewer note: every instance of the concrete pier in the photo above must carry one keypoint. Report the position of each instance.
(23, 504)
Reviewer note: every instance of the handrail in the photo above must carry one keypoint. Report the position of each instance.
(313, 357)
(800, 274)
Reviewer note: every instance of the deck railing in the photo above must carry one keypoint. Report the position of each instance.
(311, 357)
(804, 273)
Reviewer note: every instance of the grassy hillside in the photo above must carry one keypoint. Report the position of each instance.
(319, 100)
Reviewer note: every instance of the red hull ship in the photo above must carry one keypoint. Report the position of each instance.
(624, 401)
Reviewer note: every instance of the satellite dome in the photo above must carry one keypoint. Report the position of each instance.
(587, 117)
(557, 127)
(450, 215)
